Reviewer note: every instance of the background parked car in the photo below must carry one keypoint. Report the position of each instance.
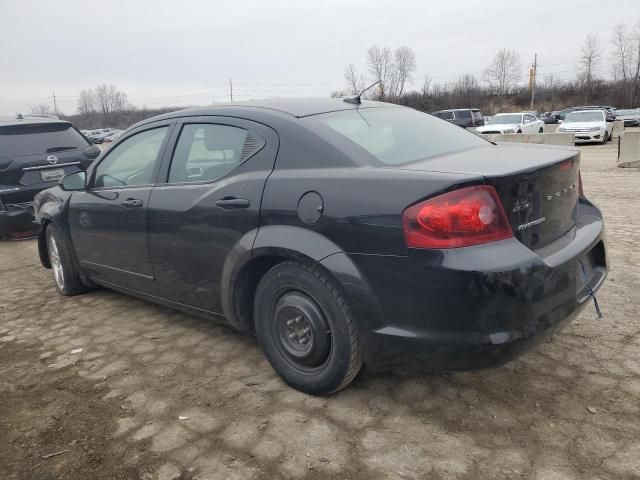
(549, 118)
(463, 117)
(630, 116)
(588, 125)
(610, 111)
(35, 152)
(522, 122)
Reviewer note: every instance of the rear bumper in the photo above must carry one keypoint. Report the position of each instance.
(474, 307)
(17, 221)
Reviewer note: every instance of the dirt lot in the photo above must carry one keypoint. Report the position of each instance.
(158, 394)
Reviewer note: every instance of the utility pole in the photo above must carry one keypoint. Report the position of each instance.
(532, 79)
(55, 105)
(231, 89)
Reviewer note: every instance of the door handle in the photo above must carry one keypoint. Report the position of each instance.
(132, 203)
(230, 203)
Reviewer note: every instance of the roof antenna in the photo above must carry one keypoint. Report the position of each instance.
(356, 98)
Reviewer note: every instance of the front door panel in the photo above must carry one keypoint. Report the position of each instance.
(108, 228)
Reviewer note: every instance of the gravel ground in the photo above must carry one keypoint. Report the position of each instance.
(156, 394)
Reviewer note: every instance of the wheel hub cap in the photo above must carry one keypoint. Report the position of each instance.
(302, 331)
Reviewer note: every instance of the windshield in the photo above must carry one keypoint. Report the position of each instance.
(507, 118)
(595, 116)
(36, 138)
(396, 135)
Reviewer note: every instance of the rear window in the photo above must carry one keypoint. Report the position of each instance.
(395, 136)
(36, 138)
(477, 115)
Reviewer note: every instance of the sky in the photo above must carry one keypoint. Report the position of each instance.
(179, 53)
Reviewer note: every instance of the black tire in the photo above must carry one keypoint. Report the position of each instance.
(519, 131)
(541, 130)
(295, 302)
(605, 137)
(65, 275)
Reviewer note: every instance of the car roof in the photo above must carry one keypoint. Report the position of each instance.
(8, 121)
(458, 110)
(590, 110)
(297, 107)
(283, 108)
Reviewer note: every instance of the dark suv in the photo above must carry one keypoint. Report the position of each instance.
(463, 117)
(35, 152)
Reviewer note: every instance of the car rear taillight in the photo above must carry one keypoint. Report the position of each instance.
(461, 218)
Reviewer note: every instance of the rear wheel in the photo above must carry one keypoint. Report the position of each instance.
(65, 274)
(306, 329)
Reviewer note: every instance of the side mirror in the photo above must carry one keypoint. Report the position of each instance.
(610, 119)
(91, 152)
(73, 182)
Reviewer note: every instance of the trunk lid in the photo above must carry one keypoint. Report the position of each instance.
(538, 185)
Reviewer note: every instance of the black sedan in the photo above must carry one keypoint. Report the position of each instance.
(340, 233)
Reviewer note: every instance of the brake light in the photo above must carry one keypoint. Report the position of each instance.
(461, 218)
(580, 190)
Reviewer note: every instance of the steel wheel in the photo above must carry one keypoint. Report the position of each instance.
(301, 331)
(56, 264)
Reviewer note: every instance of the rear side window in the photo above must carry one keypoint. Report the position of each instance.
(39, 138)
(463, 114)
(206, 152)
(394, 136)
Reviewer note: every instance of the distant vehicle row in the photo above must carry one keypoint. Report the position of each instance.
(102, 135)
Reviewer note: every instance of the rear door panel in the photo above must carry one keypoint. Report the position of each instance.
(191, 236)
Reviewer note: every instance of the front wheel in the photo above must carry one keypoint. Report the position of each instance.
(605, 137)
(306, 329)
(541, 130)
(65, 274)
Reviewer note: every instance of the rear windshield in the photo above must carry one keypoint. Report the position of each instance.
(36, 138)
(395, 136)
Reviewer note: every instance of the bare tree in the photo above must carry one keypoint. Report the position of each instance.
(635, 36)
(504, 72)
(355, 82)
(380, 63)
(588, 62)
(466, 87)
(426, 85)
(108, 99)
(87, 101)
(405, 66)
(43, 108)
(621, 41)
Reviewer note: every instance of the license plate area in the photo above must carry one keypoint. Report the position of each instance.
(52, 175)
